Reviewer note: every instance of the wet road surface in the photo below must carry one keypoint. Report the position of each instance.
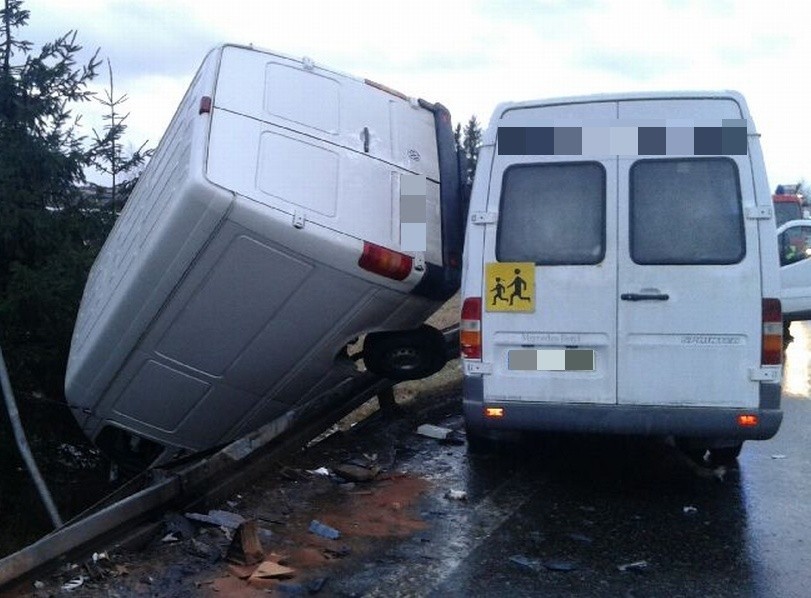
(561, 516)
(546, 516)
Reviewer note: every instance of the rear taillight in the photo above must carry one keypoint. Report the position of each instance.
(772, 352)
(470, 330)
(388, 263)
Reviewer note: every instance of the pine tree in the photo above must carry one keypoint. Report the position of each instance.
(471, 144)
(107, 154)
(47, 242)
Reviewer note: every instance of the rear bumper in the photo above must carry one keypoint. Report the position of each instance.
(644, 420)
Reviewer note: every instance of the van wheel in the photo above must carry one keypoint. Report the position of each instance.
(725, 455)
(406, 354)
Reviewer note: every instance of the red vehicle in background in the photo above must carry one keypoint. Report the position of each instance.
(787, 206)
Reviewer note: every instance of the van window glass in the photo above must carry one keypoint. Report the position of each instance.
(552, 214)
(795, 244)
(686, 211)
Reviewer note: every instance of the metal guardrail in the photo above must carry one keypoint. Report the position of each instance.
(211, 476)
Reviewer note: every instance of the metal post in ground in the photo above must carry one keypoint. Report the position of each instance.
(22, 445)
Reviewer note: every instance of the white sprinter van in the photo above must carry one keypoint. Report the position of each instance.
(621, 274)
(266, 234)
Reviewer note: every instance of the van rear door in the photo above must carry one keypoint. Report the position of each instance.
(326, 147)
(555, 216)
(689, 270)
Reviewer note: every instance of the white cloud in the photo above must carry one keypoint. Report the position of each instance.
(469, 55)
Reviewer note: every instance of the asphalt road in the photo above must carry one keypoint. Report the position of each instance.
(565, 516)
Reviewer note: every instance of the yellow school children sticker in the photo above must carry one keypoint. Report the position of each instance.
(510, 286)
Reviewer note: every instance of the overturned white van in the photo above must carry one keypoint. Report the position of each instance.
(268, 232)
(620, 272)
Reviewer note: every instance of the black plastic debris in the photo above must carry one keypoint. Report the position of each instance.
(203, 550)
(221, 518)
(578, 537)
(559, 565)
(357, 473)
(177, 524)
(316, 585)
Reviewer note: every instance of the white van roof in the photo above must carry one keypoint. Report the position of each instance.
(504, 107)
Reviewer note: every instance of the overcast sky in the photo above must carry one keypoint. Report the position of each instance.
(468, 55)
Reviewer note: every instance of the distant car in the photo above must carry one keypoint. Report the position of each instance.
(794, 243)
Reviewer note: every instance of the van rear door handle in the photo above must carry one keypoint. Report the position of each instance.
(644, 297)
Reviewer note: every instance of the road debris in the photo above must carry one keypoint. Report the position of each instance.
(357, 473)
(636, 566)
(689, 510)
(39, 585)
(245, 547)
(322, 471)
(215, 517)
(74, 583)
(323, 530)
(778, 456)
(578, 537)
(316, 585)
(558, 565)
(170, 537)
(273, 570)
(432, 431)
(526, 562)
(456, 495)
(175, 523)
(203, 550)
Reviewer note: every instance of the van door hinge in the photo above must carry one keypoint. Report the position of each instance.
(484, 217)
(764, 374)
(758, 212)
(299, 219)
(478, 367)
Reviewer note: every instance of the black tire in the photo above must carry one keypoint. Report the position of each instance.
(405, 355)
(725, 455)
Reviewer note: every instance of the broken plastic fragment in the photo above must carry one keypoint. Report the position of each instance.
(456, 495)
(635, 566)
(320, 471)
(561, 565)
(221, 518)
(170, 537)
(74, 583)
(271, 570)
(689, 510)
(778, 456)
(432, 431)
(323, 530)
(525, 562)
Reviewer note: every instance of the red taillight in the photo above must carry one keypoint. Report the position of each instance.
(205, 105)
(772, 351)
(470, 330)
(385, 262)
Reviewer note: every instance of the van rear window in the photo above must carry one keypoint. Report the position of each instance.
(552, 214)
(686, 211)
